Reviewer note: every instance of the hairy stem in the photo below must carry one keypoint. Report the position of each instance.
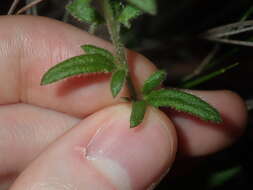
(92, 28)
(66, 13)
(114, 30)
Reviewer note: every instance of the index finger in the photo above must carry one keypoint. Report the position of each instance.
(31, 45)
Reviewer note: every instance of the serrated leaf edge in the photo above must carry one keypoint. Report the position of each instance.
(216, 119)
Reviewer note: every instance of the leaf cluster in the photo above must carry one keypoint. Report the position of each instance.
(175, 99)
(99, 60)
(125, 11)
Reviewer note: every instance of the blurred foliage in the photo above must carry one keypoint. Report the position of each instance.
(171, 40)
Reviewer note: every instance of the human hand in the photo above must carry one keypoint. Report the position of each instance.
(47, 139)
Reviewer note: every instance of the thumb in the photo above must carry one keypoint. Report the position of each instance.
(102, 152)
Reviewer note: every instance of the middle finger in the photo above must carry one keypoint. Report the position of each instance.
(25, 130)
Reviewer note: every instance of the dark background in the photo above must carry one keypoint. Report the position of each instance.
(171, 40)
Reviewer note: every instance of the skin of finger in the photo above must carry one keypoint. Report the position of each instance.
(20, 134)
(31, 45)
(25, 131)
(198, 138)
(139, 156)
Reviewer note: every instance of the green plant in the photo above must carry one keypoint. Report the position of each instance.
(117, 13)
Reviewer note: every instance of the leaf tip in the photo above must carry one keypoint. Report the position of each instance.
(46, 79)
(215, 117)
(218, 119)
(138, 113)
(114, 91)
(133, 125)
(43, 81)
(114, 94)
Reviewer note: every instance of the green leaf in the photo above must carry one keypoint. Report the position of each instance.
(218, 179)
(117, 82)
(129, 12)
(82, 11)
(247, 14)
(185, 102)
(148, 6)
(154, 81)
(78, 65)
(138, 113)
(91, 49)
(207, 77)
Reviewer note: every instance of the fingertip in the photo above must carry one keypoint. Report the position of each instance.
(239, 115)
(198, 138)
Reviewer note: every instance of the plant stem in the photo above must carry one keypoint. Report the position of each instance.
(13, 7)
(195, 82)
(28, 6)
(92, 28)
(131, 88)
(114, 30)
(66, 13)
(65, 17)
(203, 65)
